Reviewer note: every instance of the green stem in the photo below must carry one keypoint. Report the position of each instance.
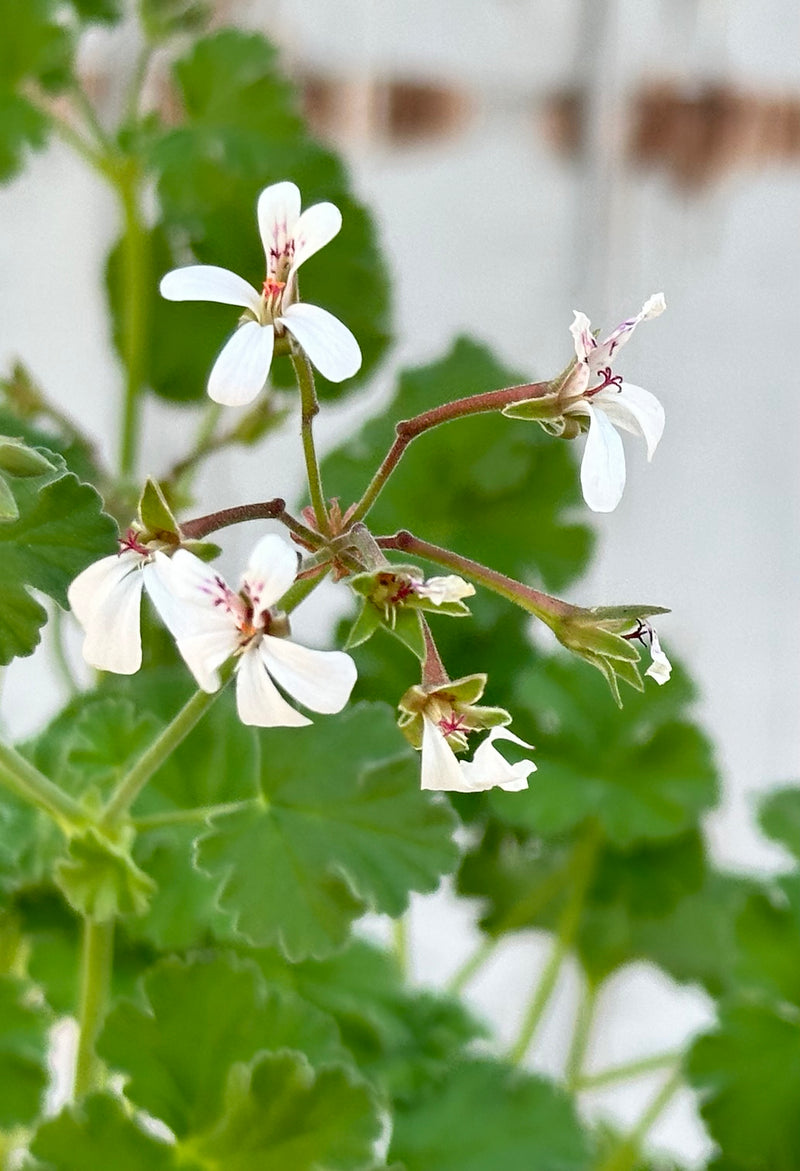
(27, 782)
(131, 785)
(400, 939)
(581, 870)
(409, 429)
(626, 1155)
(309, 408)
(581, 1036)
(301, 589)
(189, 816)
(95, 989)
(464, 974)
(59, 651)
(627, 1071)
(544, 606)
(134, 299)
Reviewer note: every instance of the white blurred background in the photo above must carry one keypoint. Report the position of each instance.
(524, 158)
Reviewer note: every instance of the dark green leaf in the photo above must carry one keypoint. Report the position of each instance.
(23, 1053)
(780, 818)
(768, 938)
(485, 1116)
(342, 826)
(204, 1016)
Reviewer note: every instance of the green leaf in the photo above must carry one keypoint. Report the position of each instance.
(748, 1072)
(485, 1116)
(768, 938)
(60, 529)
(780, 818)
(22, 128)
(35, 44)
(100, 879)
(403, 1039)
(98, 11)
(279, 1114)
(100, 1135)
(162, 19)
(203, 1016)
(23, 1053)
(645, 773)
(514, 478)
(341, 826)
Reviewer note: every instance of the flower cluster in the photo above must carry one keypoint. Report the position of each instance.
(245, 631)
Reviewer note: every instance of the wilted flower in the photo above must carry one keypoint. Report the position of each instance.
(603, 636)
(212, 623)
(289, 239)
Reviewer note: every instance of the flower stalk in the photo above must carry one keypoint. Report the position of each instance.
(309, 407)
(19, 775)
(95, 990)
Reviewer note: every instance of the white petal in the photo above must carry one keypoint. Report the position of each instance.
(660, 669)
(653, 307)
(207, 282)
(106, 600)
(329, 344)
(581, 330)
(278, 212)
(258, 700)
(603, 464)
(320, 680)
(316, 227)
(605, 351)
(192, 595)
(271, 569)
(445, 589)
(205, 651)
(489, 770)
(634, 409)
(440, 768)
(241, 369)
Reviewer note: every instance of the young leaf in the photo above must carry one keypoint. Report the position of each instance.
(341, 826)
(486, 1116)
(204, 1016)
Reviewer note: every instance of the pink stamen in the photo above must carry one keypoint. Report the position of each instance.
(129, 541)
(452, 723)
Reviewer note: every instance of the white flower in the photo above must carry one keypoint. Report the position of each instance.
(211, 623)
(106, 600)
(289, 239)
(660, 668)
(610, 403)
(443, 771)
(441, 590)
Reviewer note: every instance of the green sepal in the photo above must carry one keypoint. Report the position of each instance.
(544, 408)
(364, 626)
(8, 505)
(17, 459)
(100, 879)
(408, 629)
(156, 516)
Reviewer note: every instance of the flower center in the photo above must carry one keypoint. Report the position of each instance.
(130, 541)
(643, 633)
(452, 723)
(608, 379)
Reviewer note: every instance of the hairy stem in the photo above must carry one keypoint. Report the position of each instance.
(309, 408)
(135, 284)
(581, 869)
(544, 606)
(19, 775)
(275, 509)
(408, 430)
(95, 990)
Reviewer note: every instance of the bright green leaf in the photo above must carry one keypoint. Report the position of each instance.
(780, 818)
(99, 878)
(485, 1116)
(341, 827)
(100, 1135)
(204, 1016)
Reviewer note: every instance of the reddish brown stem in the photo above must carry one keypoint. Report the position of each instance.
(265, 510)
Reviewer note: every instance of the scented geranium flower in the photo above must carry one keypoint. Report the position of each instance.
(211, 623)
(106, 599)
(660, 667)
(289, 239)
(443, 771)
(608, 403)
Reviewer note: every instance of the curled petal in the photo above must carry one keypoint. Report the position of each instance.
(441, 771)
(258, 700)
(605, 350)
(106, 600)
(320, 680)
(489, 770)
(316, 227)
(278, 211)
(603, 463)
(207, 282)
(241, 369)
(581, 330)
(445, 589)
(328, 343)
(660, 668)
(636, 410)
(271, 570)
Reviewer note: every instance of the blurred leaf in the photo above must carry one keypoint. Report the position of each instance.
(79, 458)
(35, 44)
(241, 132)
(481, 484)
(768, 938)
(279, 1114)
(342, 826)
(23, 1053)
(644, 772)
(98, 11)
(485, 1116)
(99, 1135)
(59, 530)
(22, 127)
(748, 1073)
(204, 1016)
(780, 818)
(402, 1038)
(162, 19)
